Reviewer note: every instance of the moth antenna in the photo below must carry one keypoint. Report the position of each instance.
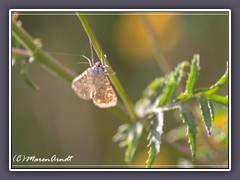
(87, 59)
(83, 63)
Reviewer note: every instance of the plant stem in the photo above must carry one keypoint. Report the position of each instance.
(219, 99)
(21, 53)
(116, 83)
(47, 61)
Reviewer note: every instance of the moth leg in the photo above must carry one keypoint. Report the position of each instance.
(110, 74)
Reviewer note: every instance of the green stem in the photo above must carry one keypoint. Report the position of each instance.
(116, 83)
(219, 99)
(21, 53)
(47, 61)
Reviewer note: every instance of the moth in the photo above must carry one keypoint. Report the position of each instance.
(94, 84)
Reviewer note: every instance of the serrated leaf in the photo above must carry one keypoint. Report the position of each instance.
(193, 75)
(150, 94)
(206, 112)
(172, 82)
(191, 128)
(160, 91)
(24, 73)
(129, 135)
(154, 137)
(192, 78)
(218, 85)
(122, 133)
(142, 107)
(154, 89)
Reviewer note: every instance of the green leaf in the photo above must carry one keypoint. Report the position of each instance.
(142, 106)
(154, 137)
(206, 112)
(218, 85)
(191, 128)
(154, 89)
(218, 99)
(160, 91)
(121, 135)
(24, 73)
(129, 135)
(150, 94)
(192, 78)
(172, 81)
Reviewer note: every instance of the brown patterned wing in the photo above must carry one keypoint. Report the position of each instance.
(104, 95)
(83, 85)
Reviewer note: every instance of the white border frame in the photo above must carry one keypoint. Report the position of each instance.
(117, 10)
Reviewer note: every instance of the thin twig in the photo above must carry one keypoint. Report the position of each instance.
(155, 47)
(21, 52)
(47, 61)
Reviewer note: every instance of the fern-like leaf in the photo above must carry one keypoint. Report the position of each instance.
(154, 137)
(172, 81)
(207, 112)
(191, 128)
(192, 78)
(154, 89)
(129, 135)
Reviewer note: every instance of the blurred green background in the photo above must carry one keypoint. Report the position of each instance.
(54, 120)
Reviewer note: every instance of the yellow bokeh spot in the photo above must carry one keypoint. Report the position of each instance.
(221, 122)
(133, 40)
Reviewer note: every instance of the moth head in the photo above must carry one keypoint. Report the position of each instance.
(98, 68)
(98, 64)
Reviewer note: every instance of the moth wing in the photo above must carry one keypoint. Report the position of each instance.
(104, 94)
(82, 85)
